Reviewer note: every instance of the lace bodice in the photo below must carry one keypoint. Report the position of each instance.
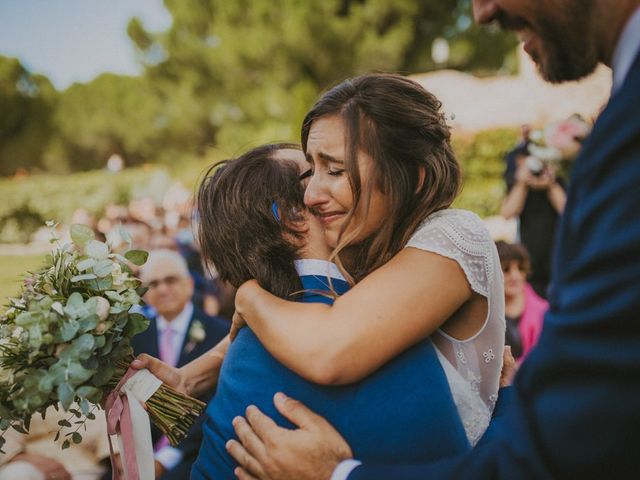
(472, 365)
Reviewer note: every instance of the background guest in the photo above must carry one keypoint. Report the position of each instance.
(178, 333)
(537, 198)
(524, 309)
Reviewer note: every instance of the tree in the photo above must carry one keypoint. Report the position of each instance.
(112, 114)
(26, 102)
(246, 71)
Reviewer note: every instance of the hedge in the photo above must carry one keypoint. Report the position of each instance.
(26, 203)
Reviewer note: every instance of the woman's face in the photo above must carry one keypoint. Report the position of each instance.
(514, 278)
(328, 193)
(315, 243)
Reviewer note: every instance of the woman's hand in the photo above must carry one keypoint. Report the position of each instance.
(172, 376)
(509, 368)
(244, 295)
(237, 322)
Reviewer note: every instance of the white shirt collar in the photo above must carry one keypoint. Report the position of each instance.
(626, 50)
(178, 324)
(320, 268)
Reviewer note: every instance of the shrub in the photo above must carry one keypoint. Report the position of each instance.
(28, 202)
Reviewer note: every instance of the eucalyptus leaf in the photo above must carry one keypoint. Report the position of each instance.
(137, 257)
(84, 276)
(65, 395)
(103, 283)
(84, 406)
(87, 391)
(84, 342)
(81, 234)
(57, 307)
(103, 268)
(74, 304)
(97, 250)
(86, 264)
(137, 323)
(100, 341)
(68, 330)
(78, 374)
(125, 235)
(46, 383)
(88, 323)
(115, 296)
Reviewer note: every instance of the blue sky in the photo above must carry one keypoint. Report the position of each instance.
(75, 40)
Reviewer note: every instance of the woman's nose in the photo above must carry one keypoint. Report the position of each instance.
(315, 194)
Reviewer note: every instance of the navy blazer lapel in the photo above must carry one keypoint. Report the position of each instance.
(147, 341)
(186, 354)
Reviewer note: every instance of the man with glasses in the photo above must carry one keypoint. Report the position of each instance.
(177, 334)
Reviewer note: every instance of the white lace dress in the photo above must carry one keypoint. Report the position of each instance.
(472, 365)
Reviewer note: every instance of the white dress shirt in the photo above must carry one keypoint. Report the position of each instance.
(169, 456)
(626, 50)
(624, 54)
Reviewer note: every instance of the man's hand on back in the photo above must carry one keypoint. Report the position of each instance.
(269, 452)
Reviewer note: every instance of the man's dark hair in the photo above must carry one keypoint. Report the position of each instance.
(238, 231)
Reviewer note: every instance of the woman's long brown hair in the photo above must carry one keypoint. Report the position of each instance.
(400, 125)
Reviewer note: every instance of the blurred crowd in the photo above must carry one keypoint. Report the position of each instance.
(149, 225)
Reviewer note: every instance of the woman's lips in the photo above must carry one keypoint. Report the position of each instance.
(329, 217)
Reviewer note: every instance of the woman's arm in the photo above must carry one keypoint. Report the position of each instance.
(194, 378)
(393, 308)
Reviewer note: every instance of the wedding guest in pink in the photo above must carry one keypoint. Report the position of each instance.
(524, 308)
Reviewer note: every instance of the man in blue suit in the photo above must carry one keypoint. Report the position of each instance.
(178, 333)
(574, 410)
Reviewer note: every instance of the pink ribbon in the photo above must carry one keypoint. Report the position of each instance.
(119, 423)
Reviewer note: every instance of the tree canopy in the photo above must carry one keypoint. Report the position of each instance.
(229, 74)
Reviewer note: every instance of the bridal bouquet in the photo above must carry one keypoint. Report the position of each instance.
(557, 144)
(65, 341)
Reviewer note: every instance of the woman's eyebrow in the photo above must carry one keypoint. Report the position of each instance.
(329, 158)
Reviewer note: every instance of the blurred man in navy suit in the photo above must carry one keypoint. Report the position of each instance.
(177, 334)
(574, 410)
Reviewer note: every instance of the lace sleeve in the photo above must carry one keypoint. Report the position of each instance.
(461, 236)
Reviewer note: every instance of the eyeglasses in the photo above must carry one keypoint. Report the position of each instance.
(170, 281)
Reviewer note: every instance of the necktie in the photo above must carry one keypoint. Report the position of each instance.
(167, 355)
(167, 349)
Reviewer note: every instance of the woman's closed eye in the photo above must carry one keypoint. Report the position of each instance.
(306, 175)
(337, 172)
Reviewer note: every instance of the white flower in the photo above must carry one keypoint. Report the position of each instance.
(197, 332)
(119, 277)
(102, 308)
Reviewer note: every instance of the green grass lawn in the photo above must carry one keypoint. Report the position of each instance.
(12, 270)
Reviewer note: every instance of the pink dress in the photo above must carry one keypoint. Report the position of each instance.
(531, 320)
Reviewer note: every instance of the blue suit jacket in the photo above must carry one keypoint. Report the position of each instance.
(216, 328)
(391, 414)
(575, 411)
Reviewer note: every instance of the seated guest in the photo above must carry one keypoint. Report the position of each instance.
(524, 309)
(34, 456)
(177, 334)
